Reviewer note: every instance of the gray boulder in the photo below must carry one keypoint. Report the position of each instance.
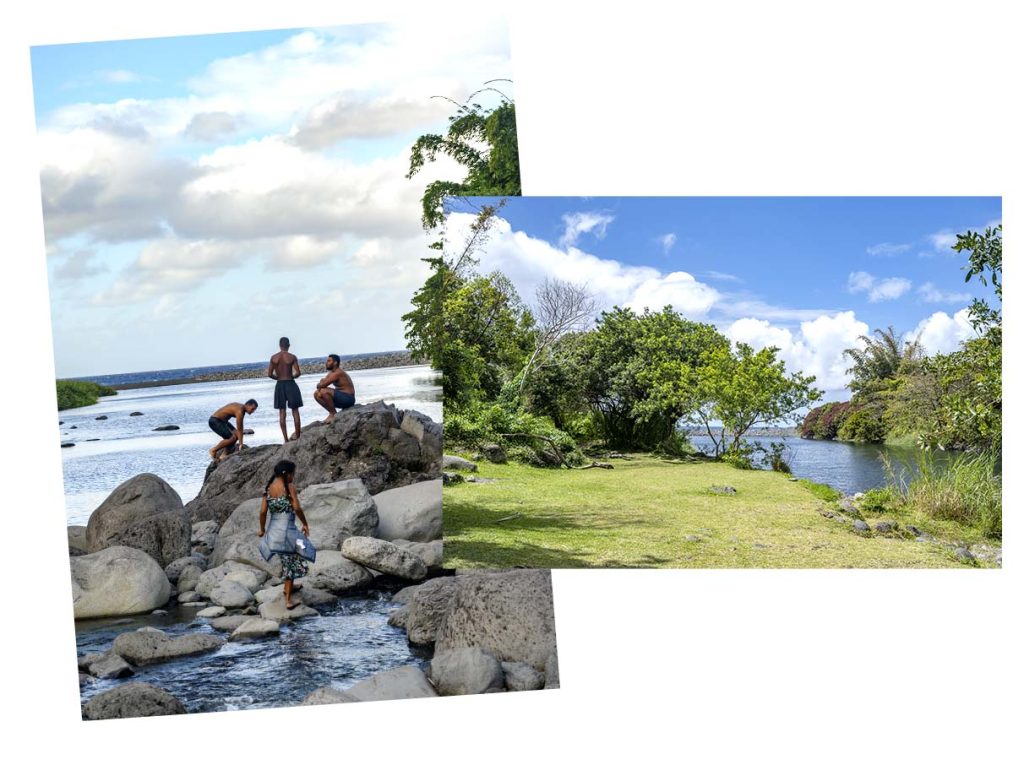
(427, 607)
(255, 628)
(188, 579)
(143, 512)
(401, 683)
(77, 544)
(117, 581)
(311, 596)
(335, 573)
(521, 677)
(399, 617)
(189, 596)
(242, 574)
(229, 623)
(451, 462)
(410, 512)
(384, 446)
(108, 666)
(174, 568)
(494, 453)
(509, 614)
(551, 672)
(384, 556)
(204, 536)
(462, 671)
(144, 647)
(231, 594)
(213, 612)
(276, 611)
(431, 553)
(132, 700)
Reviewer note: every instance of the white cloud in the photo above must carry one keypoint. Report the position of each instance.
(722, 276)
(79, 265)
(578, 223)
(817, 349)
(877, 289)
(943, 240)
(119, 76)
(931, 294)
(942, 333)
(668, 241)
(677, 289)
(886, 249)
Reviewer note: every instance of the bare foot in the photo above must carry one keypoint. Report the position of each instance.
(329, 419)
(289, 605)
(294, 437)
(213, 454)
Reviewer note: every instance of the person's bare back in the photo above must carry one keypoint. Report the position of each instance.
(339, 379)
(228, 411)
(283, 366)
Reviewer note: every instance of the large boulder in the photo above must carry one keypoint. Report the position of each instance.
(427, 607)
(432, 553)
(77, 544)
(401, 683)
(384, 557)
(151, 646)
(132, 700)
(230, 594)
(275, 610)
(143, 512)
(249, 577)
(335, 511)
(466, 670)
(521, 677)
(204, 536)
(384, 446)
(509, 614)
(254, 628)
(117, 581)
(410, 512)
(335, 573)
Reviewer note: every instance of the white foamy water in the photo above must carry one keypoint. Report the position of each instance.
(128, 445)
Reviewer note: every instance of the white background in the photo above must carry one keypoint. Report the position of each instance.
(707, 666)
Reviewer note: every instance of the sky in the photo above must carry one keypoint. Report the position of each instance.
(807, 275)
(204, 195)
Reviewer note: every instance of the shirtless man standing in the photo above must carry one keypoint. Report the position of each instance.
(344, 394)
(284, 368)
(219, 424)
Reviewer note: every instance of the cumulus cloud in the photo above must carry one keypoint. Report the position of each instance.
(943, 240)
(667, 241)
(352, 116)
(942, 333)
(931, 294)
(119, 76)
(887, 249)
(79, 265)
(579, 223)
(211, 126)
(877, 289)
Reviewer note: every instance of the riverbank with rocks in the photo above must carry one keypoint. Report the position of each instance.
(157, 584)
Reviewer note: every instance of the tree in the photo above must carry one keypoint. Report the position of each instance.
(743, 388)
(483, 141)
(883, 357)
(561, 308)
(985, 260)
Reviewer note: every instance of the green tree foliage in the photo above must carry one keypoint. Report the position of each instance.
(75, 393)
(985, 261)
(883, 357)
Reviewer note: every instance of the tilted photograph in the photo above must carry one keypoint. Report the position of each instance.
(720, 382)
(235, 227)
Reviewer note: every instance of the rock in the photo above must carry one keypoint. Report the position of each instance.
(66, 444)
(432, 553)
(551, 672)
(135, 414)
(695, 538)
(175, 567)
(248, 432)
(91, 439)
(335, 512)
(102, 417)
(494, 453)
(884, 527)
(478, 479)
(723, 490)
(964, 555)
(117, 581)
(248, 577)
(847, 506)
(401, 683)
(255, 628)
(144, 647)
(204, 536)
(109, 666)
(188, 579)
(143, 512)
(195, 604)
(374, 442)
(510, 614)
(449, 479)
(275, 611)
(410, 512)
(167, 427)
(859, 525)
(328, 694)
(189, 596)
(158, 612)
(77, 544)
(231, 594)
(398, 617)
(335, 573)
(73, 427)
(383, 556)
(521, 677)
(229, 623)
(462, 671)
(309, 595)
(427, 607)
(451, 462)
(404, 595)
(84, 679)
(132, 700)
(212, 612)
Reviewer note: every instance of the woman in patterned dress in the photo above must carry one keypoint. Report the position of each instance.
(280, 497)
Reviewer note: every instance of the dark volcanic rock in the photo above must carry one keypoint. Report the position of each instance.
(102, 417)
(384, 446)
(135, 414)
(167, 427)
(132, 700)
(66, 445)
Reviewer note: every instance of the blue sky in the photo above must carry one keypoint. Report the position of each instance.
(204, 195)
(808, 275)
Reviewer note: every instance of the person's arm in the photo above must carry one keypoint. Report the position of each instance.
(240, 431)
(298, 508)
(296, 371)
(272, 369)
(263, 516)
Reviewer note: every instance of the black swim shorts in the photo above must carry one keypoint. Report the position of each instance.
(222, 428)
(286, 394)
(343, 400)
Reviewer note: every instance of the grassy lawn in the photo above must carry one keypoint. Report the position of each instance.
(649, 513)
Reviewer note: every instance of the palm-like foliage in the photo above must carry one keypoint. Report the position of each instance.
(882, 358)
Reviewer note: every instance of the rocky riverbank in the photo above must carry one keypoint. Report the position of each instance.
(369, 486)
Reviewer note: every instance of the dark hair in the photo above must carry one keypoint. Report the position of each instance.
(336, 357)
(251, 401)
(284, 342)
(282, 470)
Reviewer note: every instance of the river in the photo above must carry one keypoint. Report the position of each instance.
(127, 446)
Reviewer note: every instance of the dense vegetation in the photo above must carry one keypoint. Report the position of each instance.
(75, 393)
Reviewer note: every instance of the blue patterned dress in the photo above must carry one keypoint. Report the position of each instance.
(294, 565)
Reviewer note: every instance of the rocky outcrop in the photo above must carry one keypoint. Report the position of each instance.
(204, 536)
(510, 615)
(466, 670)
(385, 557)
(152, 646)
(384, 446)
(77, 544)
(431, 553)
(117, 581)
(401, 683)
(426, 608)
(335, 573)
(410, 512)
(143, 512)
(132, 700)
(451, 462)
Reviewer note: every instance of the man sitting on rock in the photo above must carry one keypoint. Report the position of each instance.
(231, 436)
(284, 367)
(344, 394)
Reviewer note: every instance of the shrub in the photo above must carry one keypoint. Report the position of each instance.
(863, 424)
(524, 435)
(72, 394)
(823, 422)
(880, 500)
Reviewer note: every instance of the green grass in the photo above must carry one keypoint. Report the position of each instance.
(651, 513)
(72, 394)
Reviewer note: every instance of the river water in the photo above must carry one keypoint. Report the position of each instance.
(127, 446)
(845, 466)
